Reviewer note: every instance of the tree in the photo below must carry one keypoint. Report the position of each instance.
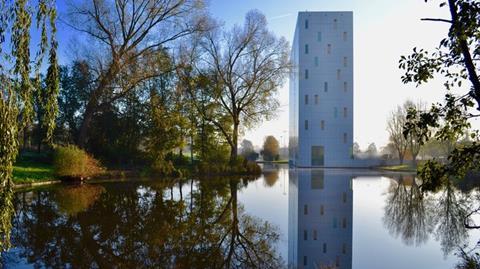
(356, 149)
(130, 37)
(456, 60)
(16, 94)
(395, 129)
(372, 150)
(247, 150)
(243, 69)
(246, 147)
(270, 151)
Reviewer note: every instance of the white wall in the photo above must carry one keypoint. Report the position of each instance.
(337, 151)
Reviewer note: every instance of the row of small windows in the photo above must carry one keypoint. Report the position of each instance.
(325, 86)
(339, 73)
(337, 260)
(335, 110)
(317, 62)
(316, 100)
(335, 26)
(322, 209)
(315, 237)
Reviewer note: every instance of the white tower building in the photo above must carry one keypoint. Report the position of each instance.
(321, 90)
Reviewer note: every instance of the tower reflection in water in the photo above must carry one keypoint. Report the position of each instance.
(320, 219)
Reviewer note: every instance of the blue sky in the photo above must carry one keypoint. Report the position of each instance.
(383, 30)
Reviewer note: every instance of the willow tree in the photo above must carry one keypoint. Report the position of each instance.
(126, 36)
(16, 94)
(245, 67)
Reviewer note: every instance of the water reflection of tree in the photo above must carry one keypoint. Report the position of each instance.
(407, 213)
(413, 215)
(147, 225)
(450, 213)
(270, 177)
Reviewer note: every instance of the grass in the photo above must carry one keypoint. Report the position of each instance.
(29, 172)
(399, 168)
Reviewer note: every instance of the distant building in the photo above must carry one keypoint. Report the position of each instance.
(321, 90)
(320, 205)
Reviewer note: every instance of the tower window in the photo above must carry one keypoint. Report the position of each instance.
(319, 36)
(344, 36)
(314, 234)
(306, 24)
(305, 235)
(316, 61)
(306, 73)
(345, 86)
(345, 138)
(322, 211)
(305, 260)
(325, 86)
(305, 210)
(322, 125)
(335, 223)
(306, 99)
(306, 124)
(324, 247)
(344, 223)
(345, 112)
(316, 99)
(345, 60)
(344, 197)
(329, 48)
(338, 74)
(306, 48)
(335, 24)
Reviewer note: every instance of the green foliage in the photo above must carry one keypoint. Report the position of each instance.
(21, 52)
(52, 84)
(454, 60)
(72, 162)
(240, 166)
(8, 153)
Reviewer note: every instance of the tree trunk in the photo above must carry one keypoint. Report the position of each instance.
(234, 144)
(92, 105)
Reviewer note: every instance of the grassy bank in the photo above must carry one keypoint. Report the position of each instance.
(399, 168)
(30, 172)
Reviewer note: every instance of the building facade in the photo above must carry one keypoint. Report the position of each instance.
(321, 90)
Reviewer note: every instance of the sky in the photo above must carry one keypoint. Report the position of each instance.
(383, 31)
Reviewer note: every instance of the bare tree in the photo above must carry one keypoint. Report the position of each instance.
(245, 67)
(129, 40)
(395, 129)
(400, 140)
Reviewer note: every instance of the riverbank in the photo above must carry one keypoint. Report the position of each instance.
(398, 168)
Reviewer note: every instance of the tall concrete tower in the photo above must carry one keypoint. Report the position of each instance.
(321, 90)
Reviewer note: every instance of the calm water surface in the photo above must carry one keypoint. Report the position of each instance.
(299, 218)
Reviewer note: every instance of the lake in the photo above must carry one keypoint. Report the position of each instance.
(295, 218)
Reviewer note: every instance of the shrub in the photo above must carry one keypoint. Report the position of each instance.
(241, 166)
(74, 163)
